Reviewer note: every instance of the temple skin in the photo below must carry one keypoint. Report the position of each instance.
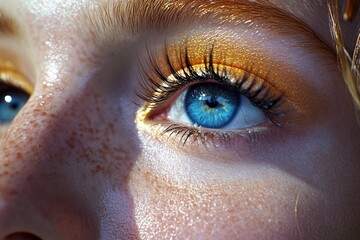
(76, 163)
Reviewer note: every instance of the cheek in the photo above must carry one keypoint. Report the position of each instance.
(185, 197)
(275, 206)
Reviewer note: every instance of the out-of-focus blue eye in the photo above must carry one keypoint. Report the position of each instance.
(215, 106)
(11, 101)
(211, 105)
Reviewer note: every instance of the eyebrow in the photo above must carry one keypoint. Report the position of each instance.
(113, 19)
(8, 25)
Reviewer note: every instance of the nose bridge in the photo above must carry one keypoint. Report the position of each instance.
(35, 137)
(59, 129)
(26, 143)
(56, 158)
(36, 184)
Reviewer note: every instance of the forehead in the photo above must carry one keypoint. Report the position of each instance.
(66, 10)
(52, 15)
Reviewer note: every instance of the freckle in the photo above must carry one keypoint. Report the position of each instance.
(70, 143)
(86, 156)
(90, 131)
(111, 127)
(19, 155)
(39, 112)
(105, 147)
(97, 169)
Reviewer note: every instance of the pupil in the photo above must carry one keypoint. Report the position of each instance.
(212, 103)
(14, 105)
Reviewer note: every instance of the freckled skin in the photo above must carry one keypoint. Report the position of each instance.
(60, 163)
(74, 164)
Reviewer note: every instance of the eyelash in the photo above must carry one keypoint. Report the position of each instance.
(12, 78)
(257, 90)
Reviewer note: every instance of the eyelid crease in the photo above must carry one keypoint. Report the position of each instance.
(9, 76)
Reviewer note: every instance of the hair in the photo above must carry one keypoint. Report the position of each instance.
(349, 65)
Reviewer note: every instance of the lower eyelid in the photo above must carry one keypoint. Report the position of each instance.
(240, 141)
(181, 134)
(201, 140)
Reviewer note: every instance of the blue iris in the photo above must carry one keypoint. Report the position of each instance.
(11, 101)
(211, 105)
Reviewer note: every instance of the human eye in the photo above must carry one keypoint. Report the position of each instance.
(14, 92)
(215, 106)
(210, 99)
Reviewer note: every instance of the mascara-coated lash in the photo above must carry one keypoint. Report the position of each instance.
(165, 78)
(157, 90)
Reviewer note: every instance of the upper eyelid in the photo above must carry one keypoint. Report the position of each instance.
(15, 80)
(16, 61)
(186, 73)
(198, 73)
(10, 76)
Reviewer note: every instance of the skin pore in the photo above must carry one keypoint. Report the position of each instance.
(87, 158)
